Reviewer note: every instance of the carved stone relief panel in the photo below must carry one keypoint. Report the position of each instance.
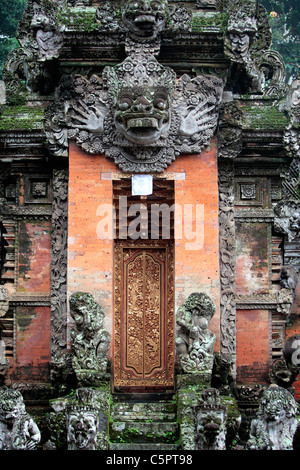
(138, 114)
(249, 192)
(227, 262)
(37, 189)
(59, 270)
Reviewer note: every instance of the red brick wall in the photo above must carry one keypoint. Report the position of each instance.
(252, 258)
(34, 257)
(32, 323)
(33, 344)
(197, 268)
(90, 258)
(253, 352)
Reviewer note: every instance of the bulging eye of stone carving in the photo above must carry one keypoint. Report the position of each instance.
(161, 104)
(124, 105)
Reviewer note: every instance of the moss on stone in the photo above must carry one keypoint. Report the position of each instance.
(21, 118)
(263, 117)
(76, 19)
(209, 21)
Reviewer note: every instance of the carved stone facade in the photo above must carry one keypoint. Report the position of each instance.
(190, 97)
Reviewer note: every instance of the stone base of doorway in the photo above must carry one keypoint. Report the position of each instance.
(143, 446)
(144, 425)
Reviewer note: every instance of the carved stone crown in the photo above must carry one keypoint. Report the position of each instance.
(139, 71)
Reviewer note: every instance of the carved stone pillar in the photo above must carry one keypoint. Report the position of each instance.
(227, 261)
(59, 272)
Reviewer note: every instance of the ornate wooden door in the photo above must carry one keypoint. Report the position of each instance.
(144, 316)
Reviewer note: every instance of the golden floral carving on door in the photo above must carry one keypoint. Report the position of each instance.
(144, 315)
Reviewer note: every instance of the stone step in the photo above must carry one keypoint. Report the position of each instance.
(143, 446)
(146, 432)
(160, 411)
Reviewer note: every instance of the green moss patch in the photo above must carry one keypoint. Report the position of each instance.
(21, 118)
(263, 117)
(209, 21)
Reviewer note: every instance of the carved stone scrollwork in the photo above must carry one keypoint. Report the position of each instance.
(230, 131)
(292, 132)
(227, 261)
(59, 272)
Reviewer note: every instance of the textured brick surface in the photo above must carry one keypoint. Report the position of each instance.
(34, 255)
(33, 344)
(252, 258)
(252, 339)
(197, 268)
(90, 258)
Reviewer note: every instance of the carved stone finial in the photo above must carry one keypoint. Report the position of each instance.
(194, 341)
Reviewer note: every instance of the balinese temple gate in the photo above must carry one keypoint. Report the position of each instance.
(150, 223)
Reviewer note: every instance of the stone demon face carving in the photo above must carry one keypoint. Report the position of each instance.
(241, 29)
(138, 113)
(287, 218)
(141, 94)
(143, 115)
(82, 430)
(145, 18)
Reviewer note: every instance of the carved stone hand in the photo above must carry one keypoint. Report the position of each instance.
(89, 118)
